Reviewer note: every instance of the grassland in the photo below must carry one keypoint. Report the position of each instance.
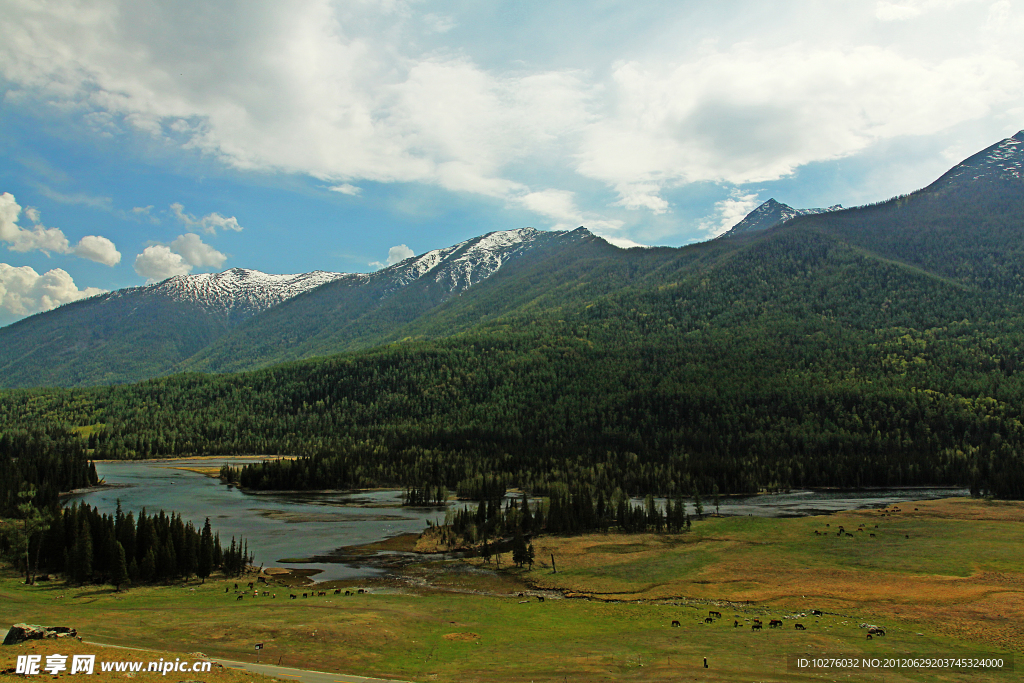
(955, 586)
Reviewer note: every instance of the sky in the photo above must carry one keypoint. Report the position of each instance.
(148, 138)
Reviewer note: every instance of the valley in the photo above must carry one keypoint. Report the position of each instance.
(952, 588)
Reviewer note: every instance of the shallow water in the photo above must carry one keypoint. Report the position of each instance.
(297, 525)
(277, 526)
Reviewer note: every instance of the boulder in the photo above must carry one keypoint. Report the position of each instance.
(19, 633)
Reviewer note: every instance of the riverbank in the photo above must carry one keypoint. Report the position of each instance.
(954, 587)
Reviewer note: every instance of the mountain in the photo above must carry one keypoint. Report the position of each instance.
(769, 215)
(1002, 161)
(872, 346)
(207, 321)
(140, 332)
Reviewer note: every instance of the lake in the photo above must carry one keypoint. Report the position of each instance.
(283, 526)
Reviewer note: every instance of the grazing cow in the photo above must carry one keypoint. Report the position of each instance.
(817, 533)
(304, 595)
(849, 534)
(816, 612)
(292, 596)
(799, 627)
(239, 597)
(828, 525)
(266, 594)
(756, 626)
(871, 535)
(709, 620)
(348, 592)
(907, 536)
(337, 591)
(519, 595)
(361, 591)
(675, 623)
(260, 579)
(540, 598)
(876, 631)
(250, 584)
(716, 615)
(775, 623)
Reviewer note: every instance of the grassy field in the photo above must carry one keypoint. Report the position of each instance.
(955, 586)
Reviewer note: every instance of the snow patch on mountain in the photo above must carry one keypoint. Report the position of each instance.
(239, 292)
(771, 214)
(1002, 161)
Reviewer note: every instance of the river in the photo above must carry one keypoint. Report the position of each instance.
(283, 526)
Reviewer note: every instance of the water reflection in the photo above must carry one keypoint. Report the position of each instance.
(278, 526)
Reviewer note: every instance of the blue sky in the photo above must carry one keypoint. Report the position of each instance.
(140, 140)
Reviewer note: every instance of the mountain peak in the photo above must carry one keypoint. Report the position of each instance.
(1003, 161)
(770, 214)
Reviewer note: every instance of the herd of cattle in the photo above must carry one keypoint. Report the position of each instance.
(256, 592)
(755, 625)
(885, 512)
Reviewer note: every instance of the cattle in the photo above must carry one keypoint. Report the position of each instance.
(907, 536)
(871, 535)
(348, 592)
(849, 535)
(266, 594)
(816, 612)
(236, 586)
(519, 595)
(250, 584)
(304, 595)
(775, 623)
(361, 591)
(540, 598)
(799, 627)
(260, 579)
(709, 620)
(675, 623)
(876, 631)
(225, 589)
(735, 624)
(239, 597)
(755, 626)
(817, 533)
(716, 615)
(292, 596)
(337, 591)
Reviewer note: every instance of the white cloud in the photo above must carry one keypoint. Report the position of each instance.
(345, 188)
(396, 254)
(208, 223)
(729, 212)
(47, 240)
(98, 249)
(196, 253)
(158, 262)
(23, 291)
(350, 92)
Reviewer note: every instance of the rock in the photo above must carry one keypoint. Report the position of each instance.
(19, 633)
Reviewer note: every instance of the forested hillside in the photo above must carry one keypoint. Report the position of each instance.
(876, 346)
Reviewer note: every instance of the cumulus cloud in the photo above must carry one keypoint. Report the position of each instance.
(196, 253)
(23, 291)
(98, 249)
(345, 188)
(209, 223)
(350, 92)
(158, 262)
(48, 240)
(729, 212)
(396, 254)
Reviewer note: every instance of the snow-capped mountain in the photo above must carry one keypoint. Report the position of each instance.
(462, 265)
(239, 292)
(770, 214)
(1002, 161)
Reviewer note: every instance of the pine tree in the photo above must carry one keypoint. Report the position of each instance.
(205, 564)
(118, 567)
